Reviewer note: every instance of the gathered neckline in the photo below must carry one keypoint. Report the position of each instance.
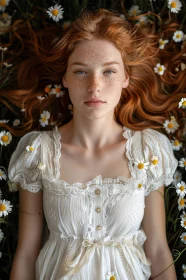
(98, 179)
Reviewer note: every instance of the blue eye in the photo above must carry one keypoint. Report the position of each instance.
(109, 71)
(80, 72)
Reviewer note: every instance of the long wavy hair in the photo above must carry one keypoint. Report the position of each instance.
(149, 98)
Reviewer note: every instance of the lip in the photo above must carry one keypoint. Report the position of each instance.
(95, 100)
(94, 104)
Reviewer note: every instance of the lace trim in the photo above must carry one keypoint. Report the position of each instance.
(109, 187)
(57, 151)
(98, 179)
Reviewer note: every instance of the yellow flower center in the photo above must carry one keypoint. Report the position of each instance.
(184, 271)
(160, 68)
(184, 163)
(178, 36)
(47, 89)
(173, 5)
(170, 125)
(140, 165)
(140, 186)
(3, 2)
(162, 43)
(182, 202)
(55, 12)
(5, 138)
(2, 207)
(176, 143)
(155, 161)
(31, 148)
(184, 237)
(44, 119)
(184, 103)
(184, 223)
(112, 278)
(1, 174)
(182, 188)
(58, 90)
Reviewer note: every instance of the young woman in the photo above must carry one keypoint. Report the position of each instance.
(98, 179)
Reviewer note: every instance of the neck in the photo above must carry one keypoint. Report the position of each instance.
(94, 134)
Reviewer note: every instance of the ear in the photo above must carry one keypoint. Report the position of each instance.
(126, 81)
(64, 82)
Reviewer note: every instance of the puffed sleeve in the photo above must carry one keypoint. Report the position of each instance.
(162, 163)
(24, 162)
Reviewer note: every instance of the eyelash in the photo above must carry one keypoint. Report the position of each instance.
(109, 71)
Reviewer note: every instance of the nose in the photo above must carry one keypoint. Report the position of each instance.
(94, 84)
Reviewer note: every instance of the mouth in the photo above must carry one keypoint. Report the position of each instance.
(94, 103)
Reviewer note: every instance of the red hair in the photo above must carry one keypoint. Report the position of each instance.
(146, 103)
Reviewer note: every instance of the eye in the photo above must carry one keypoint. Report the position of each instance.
(80, 72)
(109, 71)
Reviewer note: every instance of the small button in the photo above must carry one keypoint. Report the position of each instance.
(97, 191)
(98, 210)
(99, 227)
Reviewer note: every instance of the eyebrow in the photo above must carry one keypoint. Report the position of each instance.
(104, 64)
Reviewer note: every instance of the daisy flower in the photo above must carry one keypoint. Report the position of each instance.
(183, 237)
(181, 189)
(143, 20)
(40, 97)
(141, 165)
(111, 276)
(182, 163)
(41, 166)
(176, 177)
(183, 215)
(182, 103)
(57, 91)
(45, 116)
(4, 121)
(5, 207)
(134, 11)
(162, 43)
(3, 4)
(174, 5)
(171, 125)
(176, 145)
(5, 138)
(178, 36)
(48, 89)
(2, 175)
(16, 122)
(7, 65)
(140, 186)
(3, 49)
(30, 148)
(1, 235)
(181, 203)
(159, 69)
(183, 223)
(55, 12)
(154, 160)
(184, 270)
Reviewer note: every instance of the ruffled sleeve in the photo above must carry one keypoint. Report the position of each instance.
(24, 163)
(162, 163)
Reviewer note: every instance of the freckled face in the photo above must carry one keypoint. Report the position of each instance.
(95, 70)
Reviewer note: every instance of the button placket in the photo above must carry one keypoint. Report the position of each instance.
(97, 213)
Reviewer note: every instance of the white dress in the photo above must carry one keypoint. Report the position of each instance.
(95, 227)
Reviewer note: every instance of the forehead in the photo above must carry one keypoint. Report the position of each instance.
(95, 50)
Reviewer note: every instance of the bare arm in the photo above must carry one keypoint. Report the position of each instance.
(156, 247)
(30, 235)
